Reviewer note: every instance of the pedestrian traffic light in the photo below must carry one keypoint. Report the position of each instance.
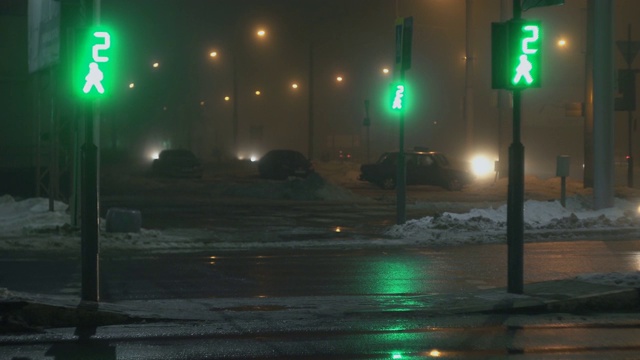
(524, 54)
(516, 53)
(93, 70)
(398, 97)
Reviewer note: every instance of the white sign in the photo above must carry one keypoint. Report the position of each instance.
(44, 34)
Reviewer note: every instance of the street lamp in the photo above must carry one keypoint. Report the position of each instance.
(156, 64)
(294, 86)
(261, 33)
(131, 85)
(339, 78)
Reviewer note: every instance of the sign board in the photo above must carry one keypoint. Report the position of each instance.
(44, 34)
(404, 39)
(629, 50)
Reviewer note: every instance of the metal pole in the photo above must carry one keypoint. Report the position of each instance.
(588, 99)
(503, 100)
(90, 248)
(367, 124)
(235, 104)
(89, 224)
(515, 196)
(468, 78)
(310, 103)
(515, 204)
(629, 121)
(401, 183)
(603, 109)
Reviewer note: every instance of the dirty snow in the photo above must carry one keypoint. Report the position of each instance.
(29, 225)
(490, 223)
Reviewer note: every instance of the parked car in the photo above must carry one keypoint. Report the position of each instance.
(281, 164)
(422, 168)
(177, 163)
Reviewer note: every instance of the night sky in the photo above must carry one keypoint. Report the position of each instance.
(181, 103)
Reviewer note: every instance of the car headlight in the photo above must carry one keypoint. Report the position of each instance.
(481, 166)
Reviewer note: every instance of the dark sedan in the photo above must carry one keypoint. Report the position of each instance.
(281, 164)
(177, 163)
(422, 168)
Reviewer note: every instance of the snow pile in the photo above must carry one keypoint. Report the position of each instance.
(28, 224)
(631, 279)
(31, 215)
(489, 225)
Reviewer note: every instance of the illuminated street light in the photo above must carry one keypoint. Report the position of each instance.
(261, 33)
(339, 79)
(201, 103)
(385, 71)
(156, 64)
(294, 86)
(562, 43)
(258, 93)
(226, 98)
(213, 54)
(132, 85)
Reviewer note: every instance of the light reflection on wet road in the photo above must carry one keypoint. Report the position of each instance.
(326, 272)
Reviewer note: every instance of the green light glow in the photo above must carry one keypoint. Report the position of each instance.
(525, 60)
(397, 100)
(93, 73)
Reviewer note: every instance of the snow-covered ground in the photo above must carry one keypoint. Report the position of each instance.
(29, 225)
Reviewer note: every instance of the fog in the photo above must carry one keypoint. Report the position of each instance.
(181, 103)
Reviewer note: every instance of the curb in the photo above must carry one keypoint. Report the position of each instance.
(27, 313)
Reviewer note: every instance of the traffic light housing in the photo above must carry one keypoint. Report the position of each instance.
(93, 70)
(626, 87)
(516, 47)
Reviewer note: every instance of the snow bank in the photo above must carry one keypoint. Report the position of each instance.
(489, 224)
(631, 279)
(30, 215)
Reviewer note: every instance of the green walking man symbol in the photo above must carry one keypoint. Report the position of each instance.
(523, 70)
(94, 79)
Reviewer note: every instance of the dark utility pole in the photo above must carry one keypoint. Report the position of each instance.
(401, 182)
(311, 125)
(404, 38)
(515, 196)
(89, 235)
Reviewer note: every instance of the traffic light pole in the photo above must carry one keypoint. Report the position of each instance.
(515, 205)
(89, 230)
(89, 246)
(401, 183)
(629, 120)
(404, 36)
(515, 196)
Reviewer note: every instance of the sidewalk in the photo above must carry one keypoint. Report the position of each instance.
(22, 312)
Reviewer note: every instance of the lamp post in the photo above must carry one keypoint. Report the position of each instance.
(215, 54)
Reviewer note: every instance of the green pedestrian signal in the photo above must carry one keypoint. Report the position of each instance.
(516, 47)
(524, 54)
(93, 70)
(397, 98)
